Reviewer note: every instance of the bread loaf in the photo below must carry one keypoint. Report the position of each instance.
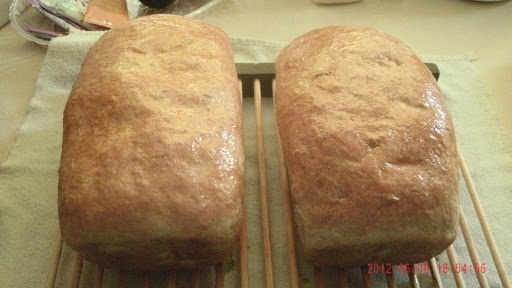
(151, 174)
(369, 149)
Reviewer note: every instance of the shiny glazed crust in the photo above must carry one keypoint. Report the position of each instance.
(369, 148)
(151, 173)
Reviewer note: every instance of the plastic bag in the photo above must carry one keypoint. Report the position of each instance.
(36, 27)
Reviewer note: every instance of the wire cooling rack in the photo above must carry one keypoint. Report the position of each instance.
(252, 76)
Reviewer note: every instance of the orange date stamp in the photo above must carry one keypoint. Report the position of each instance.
(443, 268)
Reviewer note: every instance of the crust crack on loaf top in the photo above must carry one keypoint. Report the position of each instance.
(369, 148)
(151, 174)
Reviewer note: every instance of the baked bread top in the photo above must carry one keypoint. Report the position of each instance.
(369, 147)
(152, 147)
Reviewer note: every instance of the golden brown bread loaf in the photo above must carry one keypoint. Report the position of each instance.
(369, 148)
(151, 173)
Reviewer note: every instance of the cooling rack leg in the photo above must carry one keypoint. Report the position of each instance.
(77, 270)
(453, 260)
(390, 280)
(319, 278)
(171, 279)
(244, 257)
(285, 190)
(367, 282)
(413, 278)
(342, 278)
(98, 277)
(121, 281)
(483, 221)
(196, 276)
(434, 272)
(146, 280)
(269, 278)
(473, 253)
(219, 275)
(54, 265)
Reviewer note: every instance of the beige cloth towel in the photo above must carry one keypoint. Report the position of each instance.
(28, 179)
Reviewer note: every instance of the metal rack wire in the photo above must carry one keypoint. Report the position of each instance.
(251, 73)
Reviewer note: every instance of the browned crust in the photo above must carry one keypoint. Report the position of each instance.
(369, 147)
(151, 173)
